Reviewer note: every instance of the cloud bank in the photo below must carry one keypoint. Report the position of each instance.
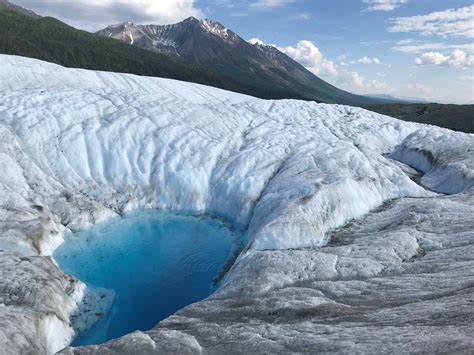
(457, 58)
(93, 15)
(448, 23)
(308, 54)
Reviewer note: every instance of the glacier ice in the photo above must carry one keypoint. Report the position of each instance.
(349, 248)
(154, 263)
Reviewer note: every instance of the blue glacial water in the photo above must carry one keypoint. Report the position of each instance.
(155, 262)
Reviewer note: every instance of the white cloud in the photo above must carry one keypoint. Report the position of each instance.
(413, 46)
(457, 58)
(449, 23)
(345, 61)
(366, 60)
(435, 58)
(383, 5)
(165, 10)
(266, 5)
(354, 82)
(308, 55)
(354, 79)
(94, 14)
(255, 41)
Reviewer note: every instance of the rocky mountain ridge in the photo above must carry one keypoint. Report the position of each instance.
(263, 70)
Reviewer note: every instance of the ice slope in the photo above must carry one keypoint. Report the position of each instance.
(78, 147)
(266, 164)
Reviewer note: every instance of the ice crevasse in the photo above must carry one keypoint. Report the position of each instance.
(78, 147)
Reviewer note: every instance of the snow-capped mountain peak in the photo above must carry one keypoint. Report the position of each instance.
(217, 29)
(166, 38)
(209, 44)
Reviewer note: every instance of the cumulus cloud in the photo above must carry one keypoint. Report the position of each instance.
(449, 23)
(383, 5)
(457, 58)
(345, 61)
(255, 41)
(366, 60)
(307, 54)
(357, 83)
(94, 14)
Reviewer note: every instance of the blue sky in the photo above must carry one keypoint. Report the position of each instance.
(358, 41)
(405, 48)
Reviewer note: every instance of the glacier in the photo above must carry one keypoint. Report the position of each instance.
(360, 227)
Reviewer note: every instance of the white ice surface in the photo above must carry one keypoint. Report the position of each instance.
(121, 139)
(78, 147)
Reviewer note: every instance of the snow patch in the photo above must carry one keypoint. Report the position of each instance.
(217, 29)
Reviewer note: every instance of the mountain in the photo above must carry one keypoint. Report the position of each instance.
(5, 4)
(260, 70)
(455, 117)
(49, 39)
(397, 99)
(198, 51)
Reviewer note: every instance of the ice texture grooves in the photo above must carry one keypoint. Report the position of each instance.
(79, 147)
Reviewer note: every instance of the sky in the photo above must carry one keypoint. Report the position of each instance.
(420, 49)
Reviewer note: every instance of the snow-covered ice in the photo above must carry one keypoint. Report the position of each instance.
(349, 248)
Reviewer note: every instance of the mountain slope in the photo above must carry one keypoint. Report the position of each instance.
(5, 4)
(455, 117)
(261, 70)
(53, 41)
(393, 99)
(202, 51)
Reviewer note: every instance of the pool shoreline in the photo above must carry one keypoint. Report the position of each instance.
(199, 250)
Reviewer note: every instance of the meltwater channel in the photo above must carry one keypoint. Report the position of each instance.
(152, 262)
